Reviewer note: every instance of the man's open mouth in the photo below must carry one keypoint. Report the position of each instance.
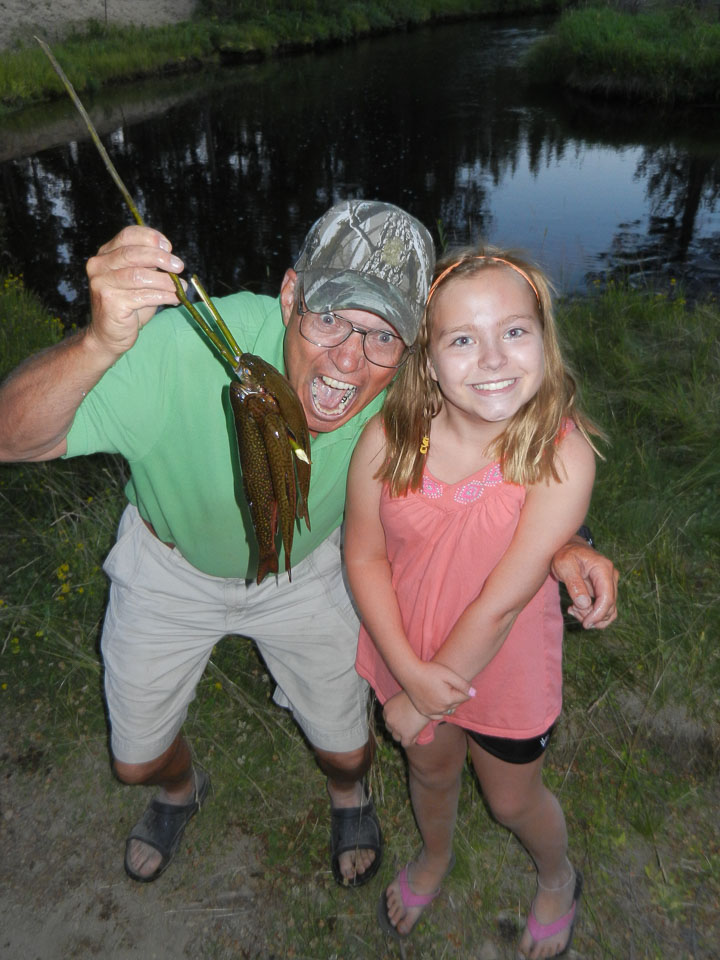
(331, 397)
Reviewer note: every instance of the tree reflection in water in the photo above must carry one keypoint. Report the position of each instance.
(680, 185)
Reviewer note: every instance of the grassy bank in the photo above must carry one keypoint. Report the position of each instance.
(667, 55)
(635, 757)
(222, 31)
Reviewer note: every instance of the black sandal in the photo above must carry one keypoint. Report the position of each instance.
(355, 828)
(162, 826)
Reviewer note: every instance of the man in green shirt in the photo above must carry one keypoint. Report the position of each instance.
(182, 570)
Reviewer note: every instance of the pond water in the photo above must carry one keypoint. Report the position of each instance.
(234, 166)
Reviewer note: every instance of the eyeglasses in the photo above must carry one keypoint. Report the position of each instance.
(328, 329)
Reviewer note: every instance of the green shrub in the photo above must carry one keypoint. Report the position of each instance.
(666, 55)
(25, 324)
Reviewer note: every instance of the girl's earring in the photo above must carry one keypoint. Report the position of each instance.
(424, 445)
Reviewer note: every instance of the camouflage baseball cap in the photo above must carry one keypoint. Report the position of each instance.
(368, 255)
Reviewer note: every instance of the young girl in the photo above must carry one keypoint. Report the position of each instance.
(478, 469)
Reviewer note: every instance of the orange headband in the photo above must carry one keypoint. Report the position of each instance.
(457, 263)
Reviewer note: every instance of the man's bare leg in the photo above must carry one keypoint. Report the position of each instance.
(345, 772)
(172, 771)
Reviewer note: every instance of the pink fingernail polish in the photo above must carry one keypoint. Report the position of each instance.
(472, 692)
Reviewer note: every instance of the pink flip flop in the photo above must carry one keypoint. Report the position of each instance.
(409, 899)
(543, 931)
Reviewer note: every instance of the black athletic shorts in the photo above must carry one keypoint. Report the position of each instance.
(513, 751)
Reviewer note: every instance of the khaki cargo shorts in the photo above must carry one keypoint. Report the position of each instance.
(164, 617)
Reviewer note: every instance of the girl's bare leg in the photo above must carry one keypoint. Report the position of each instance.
(434, 773)
(520, 801)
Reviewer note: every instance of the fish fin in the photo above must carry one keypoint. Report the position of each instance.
(268, 564)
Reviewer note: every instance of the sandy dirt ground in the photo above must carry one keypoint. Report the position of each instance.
(63, 891)
(52, 18)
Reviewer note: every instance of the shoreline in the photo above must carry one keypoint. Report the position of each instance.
(165, 38)
(22, 19)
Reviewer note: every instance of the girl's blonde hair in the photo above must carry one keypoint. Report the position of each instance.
(526, 448)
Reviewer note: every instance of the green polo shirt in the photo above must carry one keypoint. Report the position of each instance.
(164, 407)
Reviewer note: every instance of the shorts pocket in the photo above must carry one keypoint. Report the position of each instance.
(123, 561)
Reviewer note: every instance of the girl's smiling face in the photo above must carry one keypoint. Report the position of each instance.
(486, 345)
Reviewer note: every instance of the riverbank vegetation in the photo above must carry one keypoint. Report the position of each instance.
(635, 755)
(667, 52)
(223, 31)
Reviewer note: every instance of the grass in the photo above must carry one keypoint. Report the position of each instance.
(27, 327)
(669, 54)
(634, 760)
(101, 54)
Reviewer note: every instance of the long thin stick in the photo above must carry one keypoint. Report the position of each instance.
(232, 358)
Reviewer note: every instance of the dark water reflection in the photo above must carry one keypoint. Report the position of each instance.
(437, 121)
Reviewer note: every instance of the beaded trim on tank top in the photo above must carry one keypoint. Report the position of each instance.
(467, 492)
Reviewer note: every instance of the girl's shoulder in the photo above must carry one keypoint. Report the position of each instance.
(573, 453)
(371, 443)
(569, 436)
(374, 431)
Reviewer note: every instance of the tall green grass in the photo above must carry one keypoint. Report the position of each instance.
(25, 325)
(666, 55)
(101, 55)
(651, 366)
(634, 759)
(56, 522)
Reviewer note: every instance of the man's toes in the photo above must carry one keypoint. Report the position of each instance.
(355, 862)
(143, 859)
(363, 860)
(346, 862)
